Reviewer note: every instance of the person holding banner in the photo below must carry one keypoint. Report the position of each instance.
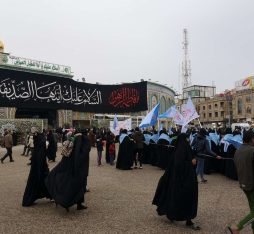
(201, 147)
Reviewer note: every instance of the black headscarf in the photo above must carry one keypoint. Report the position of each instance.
(182, 149)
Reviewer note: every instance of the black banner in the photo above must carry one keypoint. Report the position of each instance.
(32, 90)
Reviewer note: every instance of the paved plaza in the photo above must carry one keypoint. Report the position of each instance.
(119, 202)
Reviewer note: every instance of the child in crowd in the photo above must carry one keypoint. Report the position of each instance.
(112, 153)
(99, 145)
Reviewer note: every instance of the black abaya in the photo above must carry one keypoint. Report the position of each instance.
(146, 154)
(153, 153)
(125, 154)
(66, 183)
(222, 163)
(163, 153)
(35, 188)
(212, 164)
(52, 147)
(177, 192)
(230, 169)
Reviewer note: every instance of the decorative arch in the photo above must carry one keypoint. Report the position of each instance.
(154, 101)
(163, 105)
(171, 102)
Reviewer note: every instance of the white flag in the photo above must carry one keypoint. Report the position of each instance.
(189, 112)
(173, 113)
(177, 117)
(126, 124)
(184, 129)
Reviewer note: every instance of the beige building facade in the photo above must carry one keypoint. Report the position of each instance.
(223, 110)
(243, 106)
(216, 111)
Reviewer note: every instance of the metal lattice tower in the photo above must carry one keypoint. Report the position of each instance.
(186, 64)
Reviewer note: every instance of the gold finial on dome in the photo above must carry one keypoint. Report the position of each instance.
(1, 46)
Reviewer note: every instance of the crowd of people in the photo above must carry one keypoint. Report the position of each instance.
(157, 148)
(183, 156)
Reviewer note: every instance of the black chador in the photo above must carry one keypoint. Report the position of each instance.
(163, 150)
(67, 182)
(125, 153)
(230, 169)
(52, 147)
(35, 188)
(177, 192)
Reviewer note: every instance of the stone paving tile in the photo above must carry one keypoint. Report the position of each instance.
(119, 202)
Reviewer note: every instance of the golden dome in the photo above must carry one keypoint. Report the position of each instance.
(1, 45)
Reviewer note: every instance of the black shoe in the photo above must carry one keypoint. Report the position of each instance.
(2, 161)
(12, 160)
(189, 223)
(192, 225)
(81, 207)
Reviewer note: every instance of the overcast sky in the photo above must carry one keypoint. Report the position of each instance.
(112, 41)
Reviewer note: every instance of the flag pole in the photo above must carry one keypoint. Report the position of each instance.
(199, 123)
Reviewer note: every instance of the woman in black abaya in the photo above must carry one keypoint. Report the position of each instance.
(230, 169)
(177, 192)
(67, 182)
(163, 150)
(125, 152)
(52, 147)
(35, 188)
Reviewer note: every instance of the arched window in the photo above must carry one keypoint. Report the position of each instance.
(154, 101)
(171, 102)
(239, 106)
(163, 105)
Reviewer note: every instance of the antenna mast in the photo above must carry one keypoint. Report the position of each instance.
(186, 65)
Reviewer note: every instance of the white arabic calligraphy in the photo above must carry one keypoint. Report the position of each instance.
(49, 92)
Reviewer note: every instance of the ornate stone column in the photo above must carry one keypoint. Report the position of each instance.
(64, 117)
(11, 112)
